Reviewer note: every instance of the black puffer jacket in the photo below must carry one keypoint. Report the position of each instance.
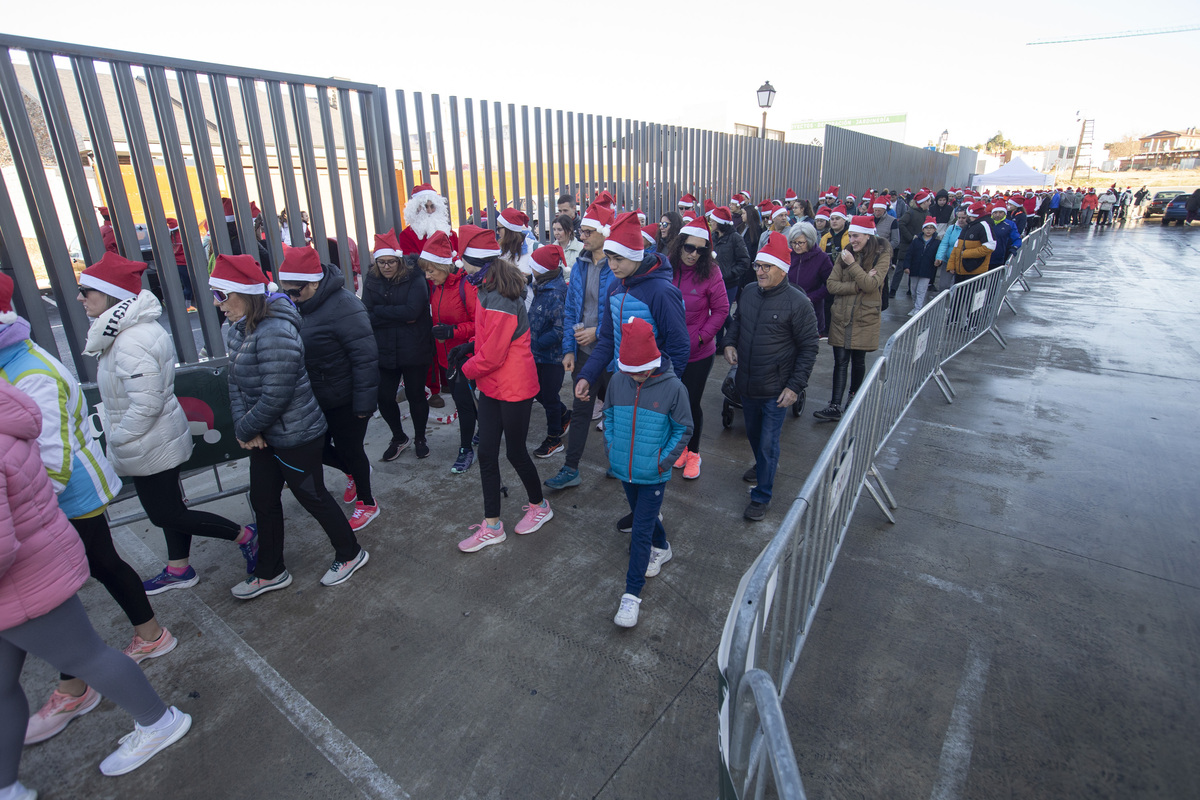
(399, 313)
(733, 258)
(339, 346)
(775, 333)
(269, 390)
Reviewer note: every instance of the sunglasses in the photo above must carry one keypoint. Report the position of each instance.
(691, 248)
(219, 296)
(83, 290)
(294, 292)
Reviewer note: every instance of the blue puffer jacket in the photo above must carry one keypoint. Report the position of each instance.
(947, 245)
(647, 293)
(546, 319)
(269, 391)
(646, 426)
(1007, 240)
(573, 310)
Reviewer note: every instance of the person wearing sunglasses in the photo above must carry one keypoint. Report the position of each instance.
(668, 228)
(277, 419)
(706, 307)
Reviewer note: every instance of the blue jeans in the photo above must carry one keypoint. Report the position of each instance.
(645, 500)
(764, 423)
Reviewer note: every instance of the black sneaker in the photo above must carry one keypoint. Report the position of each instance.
(549, 447)
(831, 413)
(755, 511)
(420, 448)
(396, 447)
(751, 475)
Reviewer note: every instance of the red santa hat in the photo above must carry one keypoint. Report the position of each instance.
(649, 233)
(547, 259)
(697, 228)
(439, 251)
(880, 202)
(929, 221)
(597, 217)
(709, 207)
(7, 315)
(839, 211)
(423, 191)
(477, 243)
(687, 201)
(227, 204)
(605, 199)
(514, 220)
(639, 351)
(722, 215)
(775, 252)
(862, 224)
(739, 199)
(116, 276)
(300, 265)
(850, 200)
(777, 211)
(822, 213)
(241, 274)
(625, 238)
(386, 245)
(255, 213)
(641, 216)
(998, 207)
(765, 204)
(976, 209)
(832, 191)
(923, 196)
(172, 224)
(103, 211)
(688, 216)
(790, 196)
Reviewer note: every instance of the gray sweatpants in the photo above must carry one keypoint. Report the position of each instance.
(66, 640)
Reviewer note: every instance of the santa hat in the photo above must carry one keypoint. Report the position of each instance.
(776, 211)
(641, 216)
(688, 216)
(300, 265)
(7, 315)
(722, 215)
(547, 259)
(880, 202)
(255, 212)
(386, 245)
(597, 217)
(850, 200)
(976, 209)
(839, 211)
(832, 191)
(906, 193)
(998, 208)
(958, 191)
(709, 207)
(514, 220)
(687, 201)
(639, 351)
(928, 222)
(862, 224)
(116, 276)
(439, 251)
(765, 204)
(605, 199)
(1014, 201)
(625, 238)
(240, 274)
(822, 213)
(923, 196)
(103, 211)
(649, 233)
(227, 204)
(423, 191)
(697, 228)
(775, 252)
(172, 224)
(476, 242)
(789, 196)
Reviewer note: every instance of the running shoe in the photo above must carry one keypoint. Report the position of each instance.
(140, 649)
(362, 516)
(482, 537)
(140, 746)
(340, 571)
(165, 581)
(536, 515)
(252, 587)
(627, 614)
(250, 549)
(466, 457)
(59, 710)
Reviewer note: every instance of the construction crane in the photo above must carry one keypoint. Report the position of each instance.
(1122, 35)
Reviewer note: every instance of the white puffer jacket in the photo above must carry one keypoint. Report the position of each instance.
(144, 426)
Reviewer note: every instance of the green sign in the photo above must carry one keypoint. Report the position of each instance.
(851, 122)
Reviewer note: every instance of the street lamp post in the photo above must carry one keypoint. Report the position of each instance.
(942, 141)
(766, 96)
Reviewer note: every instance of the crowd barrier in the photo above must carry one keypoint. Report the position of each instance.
(778, 597)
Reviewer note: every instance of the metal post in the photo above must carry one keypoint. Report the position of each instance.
(476, 203)
(502, 173)
(308, 166)
(456, 132)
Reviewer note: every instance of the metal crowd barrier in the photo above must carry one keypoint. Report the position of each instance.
(778, 597)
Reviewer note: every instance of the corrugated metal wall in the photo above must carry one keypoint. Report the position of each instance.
(963, 168)
(857, 162)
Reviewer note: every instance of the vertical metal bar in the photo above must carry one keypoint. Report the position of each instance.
(308, 166)
(218, 231)
(353, 171)
(283, 155)
(501, 172)
(535, 200)
(591, 155)
(618, 175)
(476, 201)
(563, 182)
(381, 158)
(456, 132)
(589, 191)
(27, 300)
(573, 185)
(422, 140)
(440, 142)
(609, 177)
(514, 164)
(262, 176)
(544, 225)
(488, 218)
(336, 200)
(406, 146)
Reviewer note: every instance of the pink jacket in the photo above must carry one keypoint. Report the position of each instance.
(706, 306)
(42, 562)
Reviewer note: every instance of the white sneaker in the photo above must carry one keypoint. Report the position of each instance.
(140, 746)
(18, 791)
(340, 571)
(627, 614)
(657, 559)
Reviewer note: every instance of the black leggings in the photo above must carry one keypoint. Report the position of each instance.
(414, 392)
(344, 448)
(695, 378)
(464, 401)
(550, 379)
(857, 359)
(510, 419)
(162, 499)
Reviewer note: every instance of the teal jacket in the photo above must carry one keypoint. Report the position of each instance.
(646, 426)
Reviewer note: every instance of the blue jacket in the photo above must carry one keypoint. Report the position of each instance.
(546, 320)
(646, 426)
(1055, 199)
(1007, 240)
(573, 310)
(647, 293)
(948, 240)
(919, 259)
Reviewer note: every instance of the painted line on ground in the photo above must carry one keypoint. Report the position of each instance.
(345, 756)
(945, 427)
(955, 762)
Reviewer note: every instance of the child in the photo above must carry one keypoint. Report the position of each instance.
(919, 261)
(546, 332)
(648, 421)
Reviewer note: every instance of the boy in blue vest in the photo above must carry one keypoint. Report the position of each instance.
(647, 423)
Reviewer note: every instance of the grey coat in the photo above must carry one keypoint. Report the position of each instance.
(269, 390)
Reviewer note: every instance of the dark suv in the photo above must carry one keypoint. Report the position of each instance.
(1159, 204)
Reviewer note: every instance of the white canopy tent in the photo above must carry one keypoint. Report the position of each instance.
(1014, 173)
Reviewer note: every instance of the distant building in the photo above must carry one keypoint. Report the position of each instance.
(1165, 149)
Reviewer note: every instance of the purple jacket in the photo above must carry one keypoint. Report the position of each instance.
(706, 305)
(810, 271)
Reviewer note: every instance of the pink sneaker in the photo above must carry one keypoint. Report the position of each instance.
(362, 516)
(681, 462)
(139, 649)
(535, 517)
(58, 711)
(482, 537)
(691, 470)
(351, 493)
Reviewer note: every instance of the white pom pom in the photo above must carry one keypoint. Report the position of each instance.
(272, 287)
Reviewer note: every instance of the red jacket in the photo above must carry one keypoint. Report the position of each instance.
(448, 307)
(503, 366)
(1090, 200)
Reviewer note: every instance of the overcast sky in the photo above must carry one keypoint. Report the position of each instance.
(966, 69)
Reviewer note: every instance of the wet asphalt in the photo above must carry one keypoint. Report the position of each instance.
(1027, 628)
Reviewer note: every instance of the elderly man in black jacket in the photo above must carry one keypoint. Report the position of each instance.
(772, 340)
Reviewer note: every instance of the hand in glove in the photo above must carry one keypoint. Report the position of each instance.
(443, 332)
(457, 356)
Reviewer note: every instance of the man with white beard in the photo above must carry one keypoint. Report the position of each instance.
(426, 212)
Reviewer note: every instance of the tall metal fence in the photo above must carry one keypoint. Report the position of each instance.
(857, 161)
(963, 168)
(778, 597)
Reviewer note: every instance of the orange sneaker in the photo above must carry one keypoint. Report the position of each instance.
(681, 462)
(59, 710)
(691, 470)
(140, 649)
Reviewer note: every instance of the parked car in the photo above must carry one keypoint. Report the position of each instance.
(1160, 200)
(1176, 210)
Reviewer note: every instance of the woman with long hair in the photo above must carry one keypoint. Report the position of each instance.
(500, 362)
(706, 307)
(517, 243)
(668, 228)
(858, 274)
(562, 230)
